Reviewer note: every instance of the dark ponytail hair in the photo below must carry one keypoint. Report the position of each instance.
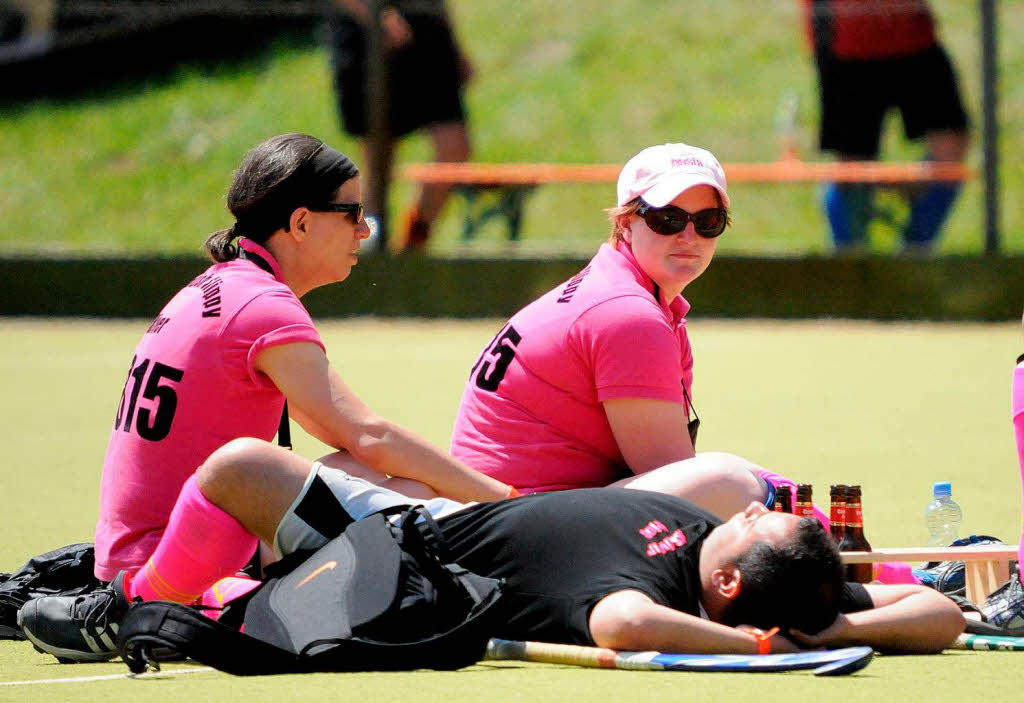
(275, 177)
(220, 246)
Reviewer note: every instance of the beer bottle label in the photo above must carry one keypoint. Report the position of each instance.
(838, 516)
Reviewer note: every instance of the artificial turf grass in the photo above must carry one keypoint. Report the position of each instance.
(951, 676)
(894, 406)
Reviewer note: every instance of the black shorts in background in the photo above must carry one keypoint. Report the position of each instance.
(425, 84)
(855, 95)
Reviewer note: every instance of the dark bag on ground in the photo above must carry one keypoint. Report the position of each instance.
(1002, 613)
(67, 571)
(949, 577)
(1003, 610)
(377, 597)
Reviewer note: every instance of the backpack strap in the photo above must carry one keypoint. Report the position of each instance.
(434, 558)
(158, 625)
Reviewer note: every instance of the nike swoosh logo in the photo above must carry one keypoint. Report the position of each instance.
(319, 570)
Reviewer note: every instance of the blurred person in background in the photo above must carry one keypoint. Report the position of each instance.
(426, 72)
(591, 384)
(872, 56)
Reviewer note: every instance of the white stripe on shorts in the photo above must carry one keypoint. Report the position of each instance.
(357, 497)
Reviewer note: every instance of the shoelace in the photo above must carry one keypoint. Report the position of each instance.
(95, 617)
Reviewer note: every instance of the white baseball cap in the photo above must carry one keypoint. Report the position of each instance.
(660, 173)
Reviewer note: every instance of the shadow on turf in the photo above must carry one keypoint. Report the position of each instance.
(138, 58)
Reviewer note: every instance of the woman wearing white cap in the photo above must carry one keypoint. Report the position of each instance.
(589, 385)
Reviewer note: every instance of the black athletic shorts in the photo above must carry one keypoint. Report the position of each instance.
(424, 80)
(855, 95)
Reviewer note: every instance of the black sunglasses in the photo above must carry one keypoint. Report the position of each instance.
(347, 208)
(708, 223)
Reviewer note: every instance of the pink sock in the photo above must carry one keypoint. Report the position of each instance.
(224, 591)
(894, 572)
(777, 480)
(1018, 430)
(201, 544)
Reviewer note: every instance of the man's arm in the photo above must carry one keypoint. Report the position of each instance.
(325, 407)
(905, 619)
(630, 620)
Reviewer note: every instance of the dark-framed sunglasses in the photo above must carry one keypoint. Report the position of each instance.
(355, 209)
(708, 223)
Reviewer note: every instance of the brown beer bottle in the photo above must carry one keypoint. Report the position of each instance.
(854, 539)
(783, 499)
(837, 513)
(804, 505)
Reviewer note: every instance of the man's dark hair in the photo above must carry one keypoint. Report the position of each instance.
(796, 585)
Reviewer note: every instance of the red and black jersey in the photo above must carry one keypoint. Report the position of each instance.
(869, 29)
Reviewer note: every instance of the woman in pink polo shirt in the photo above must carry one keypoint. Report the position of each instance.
(225, 353)
(214, 370)
(590, 385)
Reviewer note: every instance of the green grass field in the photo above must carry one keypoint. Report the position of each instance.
(143, 166)
(892, 407)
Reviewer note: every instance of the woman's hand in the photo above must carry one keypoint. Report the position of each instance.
(397, 32)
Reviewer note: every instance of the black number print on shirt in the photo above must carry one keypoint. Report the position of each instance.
(494, 361)
(151, 423)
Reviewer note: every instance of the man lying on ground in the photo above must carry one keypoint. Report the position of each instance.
(616, 568)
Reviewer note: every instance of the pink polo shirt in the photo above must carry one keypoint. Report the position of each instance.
(190, 388)
(531, 414)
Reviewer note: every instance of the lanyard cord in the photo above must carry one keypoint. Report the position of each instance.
(284, 430)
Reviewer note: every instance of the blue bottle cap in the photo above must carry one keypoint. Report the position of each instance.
(942, 488)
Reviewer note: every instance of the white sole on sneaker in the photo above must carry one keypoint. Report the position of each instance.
(68, 655)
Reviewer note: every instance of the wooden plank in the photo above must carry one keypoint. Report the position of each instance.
(789, 171)
(987, 567)
(981, 578)
(982, 553)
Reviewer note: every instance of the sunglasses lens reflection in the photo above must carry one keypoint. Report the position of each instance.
(707, 223)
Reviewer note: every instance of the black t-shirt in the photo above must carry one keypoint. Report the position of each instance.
(562, 552)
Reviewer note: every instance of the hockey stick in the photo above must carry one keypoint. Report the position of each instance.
(835, 662)
(989, 643)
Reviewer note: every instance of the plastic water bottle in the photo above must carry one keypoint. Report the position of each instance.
(942, 516)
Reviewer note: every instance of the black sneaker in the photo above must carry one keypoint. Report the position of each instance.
(77, 628)
(1005, 607)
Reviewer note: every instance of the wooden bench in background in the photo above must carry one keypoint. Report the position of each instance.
(988, 566)
(500, 190)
